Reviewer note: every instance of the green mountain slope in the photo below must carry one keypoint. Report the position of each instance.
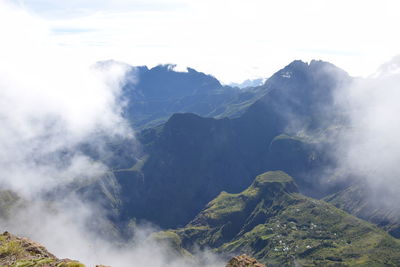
(365, 203)
(273, 222)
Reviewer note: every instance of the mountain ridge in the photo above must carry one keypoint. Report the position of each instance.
(278, 226)
(199, 157)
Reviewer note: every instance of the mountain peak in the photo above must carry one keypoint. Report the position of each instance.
(297, 63)
(273, 183)
(273, 177)
(268, 187)
(313, 65)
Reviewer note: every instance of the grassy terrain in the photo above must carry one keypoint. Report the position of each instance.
(271, 221)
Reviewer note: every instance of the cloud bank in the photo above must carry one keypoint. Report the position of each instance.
(50, 102)
(370, 148)
(53, 100)
(208, 34)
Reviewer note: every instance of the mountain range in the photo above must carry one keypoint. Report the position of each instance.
(241, 170)
(285, 129)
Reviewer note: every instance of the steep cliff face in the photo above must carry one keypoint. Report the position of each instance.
(192, 161)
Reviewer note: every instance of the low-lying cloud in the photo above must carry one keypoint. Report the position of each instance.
(73, 229)
(370, 147)
(51, 102)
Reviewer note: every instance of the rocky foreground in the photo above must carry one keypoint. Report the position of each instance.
(244, 261)
(23, 252)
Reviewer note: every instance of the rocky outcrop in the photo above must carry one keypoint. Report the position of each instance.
(17, 251)
(244, 261)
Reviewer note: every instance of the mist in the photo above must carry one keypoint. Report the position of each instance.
(369, 149)
(69, 229)
(51, 102)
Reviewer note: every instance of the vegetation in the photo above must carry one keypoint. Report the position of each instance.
(70, 264)
(11, 248)
(274, 223)
(362, 201)
(22, 252)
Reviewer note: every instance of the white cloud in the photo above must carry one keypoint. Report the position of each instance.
(370, 148)
(234, 40)
(63, 229)
(50, 101)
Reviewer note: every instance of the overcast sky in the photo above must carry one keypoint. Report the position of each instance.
(233, 40)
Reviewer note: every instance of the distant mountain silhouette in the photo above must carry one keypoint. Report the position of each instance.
(155, 94)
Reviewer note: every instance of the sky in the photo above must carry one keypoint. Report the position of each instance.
(231, 39)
